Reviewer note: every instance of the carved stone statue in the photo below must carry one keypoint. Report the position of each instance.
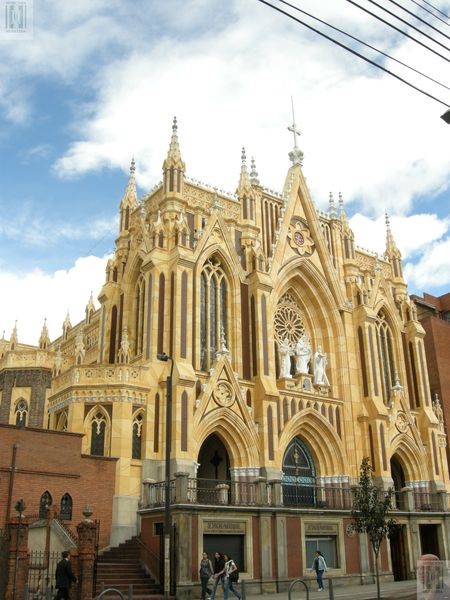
(320, 364)
(303, 354)
(285, 351)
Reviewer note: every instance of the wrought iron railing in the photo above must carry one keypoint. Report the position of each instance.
(213, 492)
(151, 562)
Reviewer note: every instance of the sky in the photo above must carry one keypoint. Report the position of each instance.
(92, 83)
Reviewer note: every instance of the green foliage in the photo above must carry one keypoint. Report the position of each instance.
(370, 508)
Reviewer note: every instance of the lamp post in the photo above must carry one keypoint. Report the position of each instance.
(20, 508)
(167, 556)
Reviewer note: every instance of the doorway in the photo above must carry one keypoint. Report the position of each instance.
(429, 539)
(399, 554)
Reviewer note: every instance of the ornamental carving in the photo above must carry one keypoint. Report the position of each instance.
(350, 530)
(402, 422)
(299, 237)
(288, 321)
(223, 393)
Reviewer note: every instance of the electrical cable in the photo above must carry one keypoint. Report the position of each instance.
(353, 52)
(397, 29)
(429, 11)
(419, 18)
(363, 43)
(408, 24)
(435, 8)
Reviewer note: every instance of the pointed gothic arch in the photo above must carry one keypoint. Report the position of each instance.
(411, 458)
(97, 429)
(326, 447)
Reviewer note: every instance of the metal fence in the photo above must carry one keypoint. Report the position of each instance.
(41, 574)
(4, 542)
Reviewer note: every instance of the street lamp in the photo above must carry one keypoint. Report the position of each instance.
(167, 566)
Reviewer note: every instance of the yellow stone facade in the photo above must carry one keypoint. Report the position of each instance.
(227, 285)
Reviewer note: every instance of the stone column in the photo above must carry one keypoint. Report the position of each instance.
(18, 559)
(277, 492)
(87, 534)
(181, 487)
(261, 491)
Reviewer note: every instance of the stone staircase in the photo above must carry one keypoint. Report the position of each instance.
(119, 567)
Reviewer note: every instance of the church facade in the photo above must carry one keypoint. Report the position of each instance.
(294, 354)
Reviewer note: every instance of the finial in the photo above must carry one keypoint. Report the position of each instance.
(341, 203)
(174, 155)
(253, 173)
(132, 167)
(387, 221)
(244, 187)
(174, 126)
(296, 155)
(332, 208)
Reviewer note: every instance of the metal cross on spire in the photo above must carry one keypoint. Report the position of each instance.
(296, 155)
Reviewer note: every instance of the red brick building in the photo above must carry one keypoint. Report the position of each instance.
(51, 462)
(434, 315)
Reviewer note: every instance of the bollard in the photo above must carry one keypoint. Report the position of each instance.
(330, 589)
(130, 591)
(243, 590)
(25, 592)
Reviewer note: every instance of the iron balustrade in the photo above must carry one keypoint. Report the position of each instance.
(213, 492)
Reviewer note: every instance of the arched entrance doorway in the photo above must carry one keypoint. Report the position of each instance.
(299, 475)
(213, 462)
(398, 539)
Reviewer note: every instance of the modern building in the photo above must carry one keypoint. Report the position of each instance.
(294, 353)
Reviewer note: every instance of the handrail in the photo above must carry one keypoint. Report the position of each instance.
(155, 567)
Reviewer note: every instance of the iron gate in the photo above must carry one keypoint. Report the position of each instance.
(4, 543)
(41, 574)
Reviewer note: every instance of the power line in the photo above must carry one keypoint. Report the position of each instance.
(363, 43)
(397, 29)
(435, 8)
(408, 24)
(353, 52)
(431, 13)
(419, 18)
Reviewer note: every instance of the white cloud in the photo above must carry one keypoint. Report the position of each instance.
(412, 234)
(432, 270)
(34, 230)
(364, 133)
(37, 295)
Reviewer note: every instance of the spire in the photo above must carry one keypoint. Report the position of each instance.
(130, 195)
(254, 173)
(392, 252)
(295, 155)
(44, 339)
(90, 309)
(244, 187)
(332, 207)
(343, 216)
(66, 326)
(174, 155)
(13, 340)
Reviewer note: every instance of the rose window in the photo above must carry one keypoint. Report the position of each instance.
(288, 320)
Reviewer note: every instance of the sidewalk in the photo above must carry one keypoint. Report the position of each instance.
(391, 590)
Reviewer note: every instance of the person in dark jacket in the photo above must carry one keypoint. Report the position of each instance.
(219, 565)
(64, 577)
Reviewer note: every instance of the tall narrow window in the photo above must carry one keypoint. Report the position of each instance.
(137, 436)
(98, 430)
(21, 413)
(44, 504)
(139, 316)
(385, 356)
(213, 312)
(65, 512)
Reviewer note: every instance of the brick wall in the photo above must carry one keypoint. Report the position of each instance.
(52, 461)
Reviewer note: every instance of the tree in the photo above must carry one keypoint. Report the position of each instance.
(370, 509)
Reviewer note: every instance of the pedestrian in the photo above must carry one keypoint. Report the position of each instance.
(219, 568)
(206, 572)
(64, 577)
(319, 566)
(230, 568)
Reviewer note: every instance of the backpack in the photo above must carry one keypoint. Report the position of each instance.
(234, 576)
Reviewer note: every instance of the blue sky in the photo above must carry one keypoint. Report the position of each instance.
(101, 80)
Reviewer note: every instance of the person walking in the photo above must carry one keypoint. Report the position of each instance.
(64, 577)
(219, 568)
(206, 572)
(230, 568)
(319, 566)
